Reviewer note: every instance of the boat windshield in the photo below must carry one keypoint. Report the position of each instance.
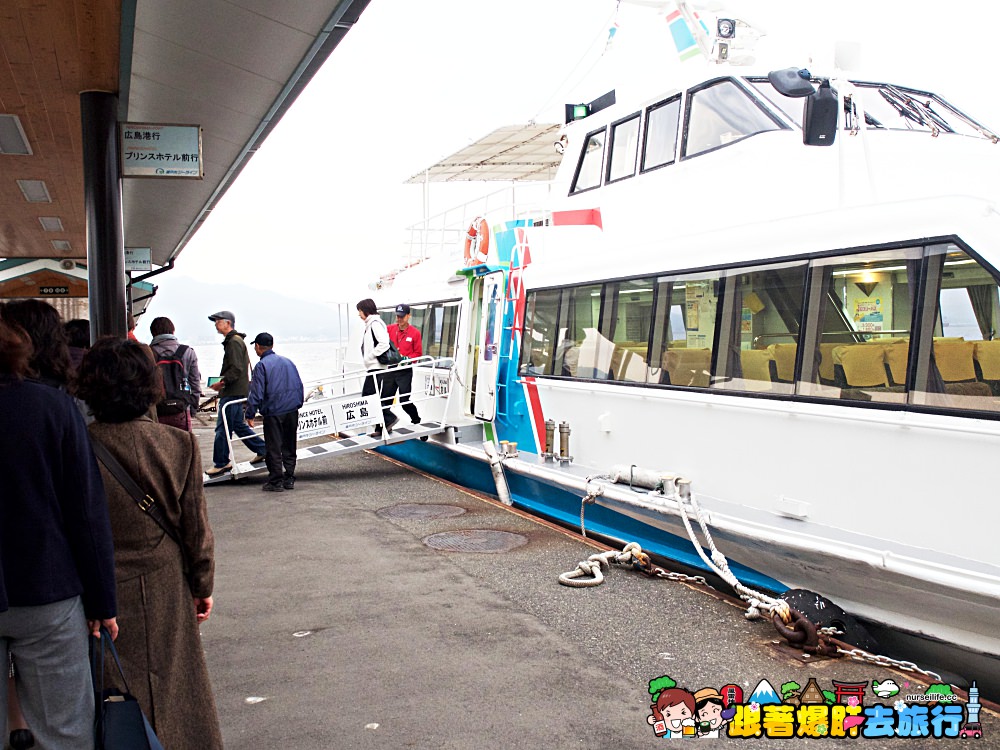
(887, 107)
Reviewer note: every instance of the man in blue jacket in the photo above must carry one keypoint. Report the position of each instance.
(276, 393)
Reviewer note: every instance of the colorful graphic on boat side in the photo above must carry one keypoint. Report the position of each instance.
(519, 415)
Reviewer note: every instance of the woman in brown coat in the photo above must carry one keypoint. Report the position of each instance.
(160, 604)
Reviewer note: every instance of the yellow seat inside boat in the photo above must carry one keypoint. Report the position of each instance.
(954, 360)
(688, 366)
(784, 361)
(862, 365)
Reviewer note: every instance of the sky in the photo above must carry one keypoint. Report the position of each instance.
(320, 210)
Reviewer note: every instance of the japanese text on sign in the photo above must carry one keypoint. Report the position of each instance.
(150, 150)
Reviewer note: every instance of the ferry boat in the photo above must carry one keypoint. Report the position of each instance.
(763, 304)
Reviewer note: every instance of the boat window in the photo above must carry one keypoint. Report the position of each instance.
(759, 324)
(624, 147)
(857, 345)
(901, 108)
(959, 353)
(909, 326)
(627, 321)
(886, 107)
(540, 331)
(791, 108)
(588, 171)
(684, 332)
(661, 134)
(438, 325)
(722, 114)
(579, 347)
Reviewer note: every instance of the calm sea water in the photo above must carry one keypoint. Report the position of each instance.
(314, 359)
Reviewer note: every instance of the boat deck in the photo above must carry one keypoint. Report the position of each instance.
(337, 625)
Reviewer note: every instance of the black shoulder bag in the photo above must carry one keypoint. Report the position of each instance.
(390, 356)
(143, 499)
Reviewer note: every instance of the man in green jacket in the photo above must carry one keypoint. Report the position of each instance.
(234, 384)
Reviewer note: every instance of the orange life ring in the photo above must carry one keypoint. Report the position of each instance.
(477, 242)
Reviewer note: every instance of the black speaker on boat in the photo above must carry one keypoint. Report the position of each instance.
(819, 122)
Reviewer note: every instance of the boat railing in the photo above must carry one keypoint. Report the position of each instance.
(445, 232)
(324, 399)
(853, 334)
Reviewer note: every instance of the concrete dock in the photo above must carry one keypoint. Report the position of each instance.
(337, 626)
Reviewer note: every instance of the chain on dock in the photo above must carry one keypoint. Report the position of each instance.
(791, 624)
(590, 572)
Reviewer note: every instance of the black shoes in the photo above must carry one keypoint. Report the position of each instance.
(268, 487)
(288, 483)
(21, 739)
(377, 432)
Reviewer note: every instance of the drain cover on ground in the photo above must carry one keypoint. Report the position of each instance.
(475, 540)
(420, 511)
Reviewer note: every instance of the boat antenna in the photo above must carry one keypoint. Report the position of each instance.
(608, 28)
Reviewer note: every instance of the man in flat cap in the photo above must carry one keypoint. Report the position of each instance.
(276, 392)
(233, 384)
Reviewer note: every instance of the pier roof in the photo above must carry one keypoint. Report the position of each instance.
(231, 66)
(514, 153)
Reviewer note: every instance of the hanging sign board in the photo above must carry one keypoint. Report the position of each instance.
(138, 259)
(150, 150)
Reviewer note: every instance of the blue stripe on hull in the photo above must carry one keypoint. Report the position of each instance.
(561, 505)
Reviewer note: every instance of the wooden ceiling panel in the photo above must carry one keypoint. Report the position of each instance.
(52, 50)
(231, 66)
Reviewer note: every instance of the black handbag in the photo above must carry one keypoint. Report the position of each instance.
(119, 723)
(390, 356)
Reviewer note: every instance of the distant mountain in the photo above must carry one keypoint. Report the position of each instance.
(188, 303)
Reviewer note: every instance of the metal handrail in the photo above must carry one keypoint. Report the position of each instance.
(760, 336)
(312, 387)
(448, 228)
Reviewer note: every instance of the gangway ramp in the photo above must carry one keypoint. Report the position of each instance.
(349, 422)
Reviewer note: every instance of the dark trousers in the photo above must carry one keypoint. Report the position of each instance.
(378, 384)
(401, 380)
(236, 420)
(280, 440)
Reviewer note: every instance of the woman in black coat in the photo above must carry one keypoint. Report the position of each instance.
(56, 559)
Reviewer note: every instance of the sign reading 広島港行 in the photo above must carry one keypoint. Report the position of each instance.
(151, 150)
(138, 259)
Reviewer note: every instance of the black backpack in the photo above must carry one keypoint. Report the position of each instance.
(175, 385)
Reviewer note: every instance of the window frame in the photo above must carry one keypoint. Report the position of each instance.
(689, 96)
(573, 190)
(645, 130)
(612, 139)
(922, 316)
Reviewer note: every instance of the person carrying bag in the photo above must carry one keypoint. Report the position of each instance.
(119, 723)
(164, 588)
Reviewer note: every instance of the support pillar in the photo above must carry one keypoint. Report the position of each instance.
(102, 197)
